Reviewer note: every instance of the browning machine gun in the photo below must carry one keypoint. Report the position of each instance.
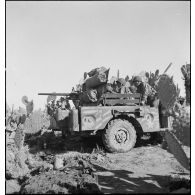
(69, 96)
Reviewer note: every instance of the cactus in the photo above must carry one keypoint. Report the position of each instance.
(19, 137)
(182, 126)
(127, 78)
(25, 100)
(15, 121)
(152, 78)
(185, 69)
(168, 92)
(36, 122)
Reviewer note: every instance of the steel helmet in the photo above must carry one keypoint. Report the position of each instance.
(122, 81)
(137, 78)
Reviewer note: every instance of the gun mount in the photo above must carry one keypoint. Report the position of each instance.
(69, 96)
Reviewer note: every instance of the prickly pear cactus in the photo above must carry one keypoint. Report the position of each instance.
(19, 137)
(25, 100)
(15, 121)
(36, 121)
(167, 91)
(186, 71)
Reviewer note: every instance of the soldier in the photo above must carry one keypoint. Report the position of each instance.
(65, 105)
(121, 86)
(146, 91)
(51, 107)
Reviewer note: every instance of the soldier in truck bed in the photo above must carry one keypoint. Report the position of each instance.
(121, 87)
(115, 87)
(146, 91)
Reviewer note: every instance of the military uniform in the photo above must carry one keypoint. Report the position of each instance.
(124, 90)
(121, 86)
(146, 91)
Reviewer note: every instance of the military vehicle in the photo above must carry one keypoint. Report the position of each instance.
(118, 117)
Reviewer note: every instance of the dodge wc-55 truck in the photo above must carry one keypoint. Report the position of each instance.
(119, 117)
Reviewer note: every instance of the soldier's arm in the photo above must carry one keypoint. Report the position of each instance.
(144, 93)
(110, 89)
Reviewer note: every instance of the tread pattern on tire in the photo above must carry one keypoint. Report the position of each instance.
(108, 130)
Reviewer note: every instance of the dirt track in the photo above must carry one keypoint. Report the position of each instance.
(145, 169)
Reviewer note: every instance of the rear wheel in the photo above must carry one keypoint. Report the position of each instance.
(119, 136)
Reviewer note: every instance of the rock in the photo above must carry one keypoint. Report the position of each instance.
(59, 162)
(32, 163)
(12, 186)
(48, 166)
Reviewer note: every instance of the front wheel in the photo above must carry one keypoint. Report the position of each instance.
(119, 136)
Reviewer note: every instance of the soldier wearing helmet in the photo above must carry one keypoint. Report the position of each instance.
(121, 87)
(144, 89)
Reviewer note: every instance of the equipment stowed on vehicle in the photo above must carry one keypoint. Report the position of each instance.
(119, 117)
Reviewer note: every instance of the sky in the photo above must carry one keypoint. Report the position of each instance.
(49, 45)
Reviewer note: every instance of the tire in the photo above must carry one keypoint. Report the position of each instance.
(119, 136)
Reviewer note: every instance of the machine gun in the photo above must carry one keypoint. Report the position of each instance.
(69, 96)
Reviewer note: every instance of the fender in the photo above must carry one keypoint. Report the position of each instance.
(96, 118)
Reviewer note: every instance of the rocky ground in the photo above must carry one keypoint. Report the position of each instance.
(81, 165)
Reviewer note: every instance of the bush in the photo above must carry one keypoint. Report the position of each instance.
(182, 127)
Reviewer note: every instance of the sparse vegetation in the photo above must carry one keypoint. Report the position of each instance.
(182, 127)
(39, 160)
(186, 71)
